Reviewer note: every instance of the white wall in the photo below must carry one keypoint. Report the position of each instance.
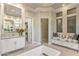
(0, 28)
(53, 24)
(77, 21)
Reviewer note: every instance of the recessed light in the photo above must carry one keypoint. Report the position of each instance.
(63, 4)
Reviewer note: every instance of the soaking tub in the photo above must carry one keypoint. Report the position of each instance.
(41, 51)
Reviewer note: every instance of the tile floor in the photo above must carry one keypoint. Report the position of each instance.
(29, 46)
(65, 51)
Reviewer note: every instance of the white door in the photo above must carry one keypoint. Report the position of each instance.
(29, 21)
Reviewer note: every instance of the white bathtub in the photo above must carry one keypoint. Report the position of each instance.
(41, 51)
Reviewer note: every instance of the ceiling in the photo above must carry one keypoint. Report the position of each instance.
(42, 4)
(45, 5)
(53, 5)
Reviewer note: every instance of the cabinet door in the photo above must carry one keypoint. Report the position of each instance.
(20, 43)
(11, 45)
(4, 46)
(7, 45)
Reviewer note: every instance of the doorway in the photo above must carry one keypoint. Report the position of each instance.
(28, 31)
(44, 30)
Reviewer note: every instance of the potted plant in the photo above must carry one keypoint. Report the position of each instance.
(20, 31)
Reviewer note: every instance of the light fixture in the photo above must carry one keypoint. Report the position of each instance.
(63, 5)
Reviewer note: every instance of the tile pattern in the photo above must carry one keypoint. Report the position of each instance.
(64, 51)
(28, 47)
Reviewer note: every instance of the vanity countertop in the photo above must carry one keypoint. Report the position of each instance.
(10, 36)
(3, 38)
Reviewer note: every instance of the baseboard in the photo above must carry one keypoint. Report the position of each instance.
(36, 42)
(49, 43)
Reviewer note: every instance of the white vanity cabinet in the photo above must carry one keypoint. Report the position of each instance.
(9, 45)
(20, 42)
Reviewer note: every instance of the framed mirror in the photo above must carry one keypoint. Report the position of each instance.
(12, 18)
(8, 26)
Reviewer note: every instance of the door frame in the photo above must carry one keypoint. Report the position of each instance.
(41, 28)
(31, 25)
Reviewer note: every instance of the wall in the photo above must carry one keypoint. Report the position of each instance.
(77, 21)
(0, 19)
(0, 28)
(53, 23)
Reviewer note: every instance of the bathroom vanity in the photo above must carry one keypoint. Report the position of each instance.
(11, 20)
(11, 44)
